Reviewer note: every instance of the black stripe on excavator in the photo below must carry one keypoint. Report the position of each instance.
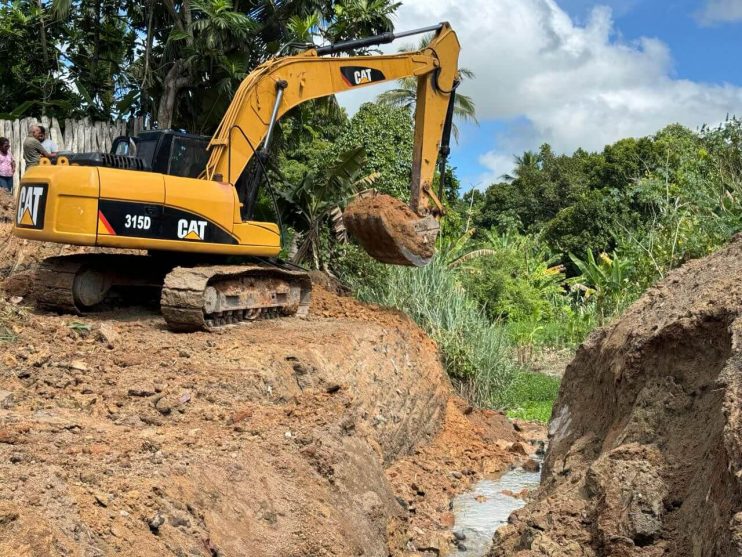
(160, 222)
(360, 75)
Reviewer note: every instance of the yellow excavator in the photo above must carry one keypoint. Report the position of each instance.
(191, 204)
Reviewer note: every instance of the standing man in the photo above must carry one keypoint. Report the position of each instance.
(32, 148)
(7, 165)
(46, 141)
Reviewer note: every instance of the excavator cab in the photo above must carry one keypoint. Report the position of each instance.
(166, 151)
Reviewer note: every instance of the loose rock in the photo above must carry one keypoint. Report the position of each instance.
(6, 400)
(531, 465)
(155, 522)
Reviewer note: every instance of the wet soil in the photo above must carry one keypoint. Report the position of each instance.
(382, 222)
(645, 454)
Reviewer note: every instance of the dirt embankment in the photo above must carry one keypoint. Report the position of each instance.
(333, 435)
(646, 438)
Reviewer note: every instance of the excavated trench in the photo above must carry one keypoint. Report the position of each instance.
(484, 509)
(337, 434)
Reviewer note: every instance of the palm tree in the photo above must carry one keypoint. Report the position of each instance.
(405, 95)
(524, 164)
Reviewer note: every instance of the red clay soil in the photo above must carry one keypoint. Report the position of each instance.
(363, 214)
(646, 440)
(288, 437)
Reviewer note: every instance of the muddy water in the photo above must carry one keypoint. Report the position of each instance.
(481, 511)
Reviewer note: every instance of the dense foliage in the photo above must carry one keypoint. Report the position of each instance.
(176, 62)
(563, 245)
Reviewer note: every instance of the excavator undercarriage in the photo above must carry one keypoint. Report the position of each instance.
(190, 298)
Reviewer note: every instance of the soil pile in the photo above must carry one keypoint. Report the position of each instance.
(389, 230)
(332, 435)
(646, 437)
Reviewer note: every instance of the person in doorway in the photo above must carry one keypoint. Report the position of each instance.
(33, 150)
(46, 141)
(7, 165)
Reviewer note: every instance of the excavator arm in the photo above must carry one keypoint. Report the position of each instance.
(280, 84)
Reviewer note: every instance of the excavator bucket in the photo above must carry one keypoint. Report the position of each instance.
(391, 232)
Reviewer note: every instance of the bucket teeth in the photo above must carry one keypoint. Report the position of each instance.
(391, 232)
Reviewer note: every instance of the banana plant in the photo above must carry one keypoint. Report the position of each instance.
(605, 279)
(309, 204)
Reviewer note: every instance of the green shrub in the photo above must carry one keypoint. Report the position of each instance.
(531, 396)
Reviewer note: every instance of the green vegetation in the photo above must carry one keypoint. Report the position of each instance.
(177, 62)
(537, 261)
(531, 396)
(562, 246)
(473, 348)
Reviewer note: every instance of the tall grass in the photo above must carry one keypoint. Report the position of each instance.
(475, 351)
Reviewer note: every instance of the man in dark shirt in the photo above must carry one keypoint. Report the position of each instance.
(32, 148)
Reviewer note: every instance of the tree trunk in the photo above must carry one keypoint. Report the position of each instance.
(173, 83)
(96, 47)
(177, 76)
(145, 106)
(42, 36)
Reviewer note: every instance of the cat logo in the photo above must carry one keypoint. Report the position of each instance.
(191, 229)
(31, 206)
(362, 76)
(358, 75)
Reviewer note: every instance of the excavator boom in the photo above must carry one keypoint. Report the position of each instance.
(385, 228)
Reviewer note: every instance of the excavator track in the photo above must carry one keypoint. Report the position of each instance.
(79, 283)
(201, 297)
(215, 296)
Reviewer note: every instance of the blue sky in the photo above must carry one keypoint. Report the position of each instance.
(700, 51)
(579, 73)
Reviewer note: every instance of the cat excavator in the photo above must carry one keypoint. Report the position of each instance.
(190, 202)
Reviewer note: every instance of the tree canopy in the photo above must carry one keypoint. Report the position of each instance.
(177, 61)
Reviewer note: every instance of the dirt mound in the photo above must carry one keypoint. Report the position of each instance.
(390, 231)
(287, 437)
(646, 437)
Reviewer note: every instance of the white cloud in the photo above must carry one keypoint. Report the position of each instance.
(353, 99)
(721, 11)
(573, 85)
(577, 85)
(497, 164)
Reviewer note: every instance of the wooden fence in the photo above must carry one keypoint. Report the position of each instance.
(79, 136)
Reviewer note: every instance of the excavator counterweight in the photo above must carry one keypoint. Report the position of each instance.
(191, 205)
